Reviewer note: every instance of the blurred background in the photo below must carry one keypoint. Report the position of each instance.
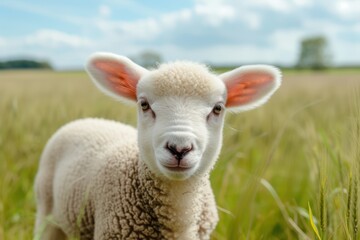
(218, 32)
(288, 170)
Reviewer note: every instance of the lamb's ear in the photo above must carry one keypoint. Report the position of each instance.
(115, 75)
(250, 86)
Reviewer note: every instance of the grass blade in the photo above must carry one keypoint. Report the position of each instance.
(313, 226)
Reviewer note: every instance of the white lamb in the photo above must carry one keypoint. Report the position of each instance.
(100, 179)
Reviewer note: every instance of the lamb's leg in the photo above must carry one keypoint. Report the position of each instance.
(45, 229)
(53, 232)
(50, 232)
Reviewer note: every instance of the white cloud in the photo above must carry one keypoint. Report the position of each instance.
(276, 5)
(357, 28)
(53, 38)
(215, 14)
(131, 6)
(303, 3)
(322, 27)
(281, 6)
(173, 18)
(253, 20)
(193, 20)
(104, 11)
(286, 44)
(346, 8)
(218, 11)
(343, 52)
(287, 39)
(143, 29)
(2, 42)
(46, 38)
(229, 54)
(211, 2)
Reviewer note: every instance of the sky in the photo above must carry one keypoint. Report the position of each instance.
(219, 32)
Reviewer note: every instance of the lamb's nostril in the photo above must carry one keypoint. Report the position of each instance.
(178, 152)
(185, 150)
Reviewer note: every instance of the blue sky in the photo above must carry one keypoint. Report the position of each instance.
(213, 31)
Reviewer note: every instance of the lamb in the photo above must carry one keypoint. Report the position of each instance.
(100, 179)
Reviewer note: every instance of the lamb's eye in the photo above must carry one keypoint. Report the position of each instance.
(217, 109)
(144, 105)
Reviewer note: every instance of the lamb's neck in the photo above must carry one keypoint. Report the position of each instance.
(176, 204)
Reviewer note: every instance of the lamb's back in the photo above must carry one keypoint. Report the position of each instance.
(90, 137)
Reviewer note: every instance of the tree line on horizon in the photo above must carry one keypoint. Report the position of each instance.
(24, 64)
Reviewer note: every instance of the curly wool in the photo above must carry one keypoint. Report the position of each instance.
(182, 79)
(94, 185)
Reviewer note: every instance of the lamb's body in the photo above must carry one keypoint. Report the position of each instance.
(100, 179)
(92, 183)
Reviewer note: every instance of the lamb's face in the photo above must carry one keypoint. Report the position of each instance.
(181, 109)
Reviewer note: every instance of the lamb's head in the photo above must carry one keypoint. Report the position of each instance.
(181, 107)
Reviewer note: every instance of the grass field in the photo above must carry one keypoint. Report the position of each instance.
(301, 149)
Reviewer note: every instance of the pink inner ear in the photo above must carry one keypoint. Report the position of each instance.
(117, 78)
(245, 88)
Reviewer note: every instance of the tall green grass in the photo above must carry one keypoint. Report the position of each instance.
(301, 149)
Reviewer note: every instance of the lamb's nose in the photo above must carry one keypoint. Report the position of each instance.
(178, 152)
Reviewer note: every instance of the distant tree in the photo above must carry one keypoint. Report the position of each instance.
(148, 59)
(314, 53)
(24, 64)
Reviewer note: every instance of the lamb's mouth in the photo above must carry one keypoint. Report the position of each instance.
(177, 168)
